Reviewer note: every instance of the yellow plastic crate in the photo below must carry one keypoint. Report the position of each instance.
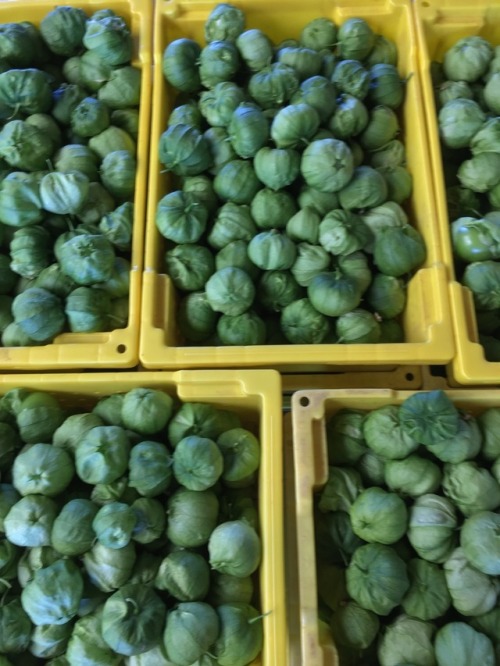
(402, 377)
(255, 395)
(118, 348)
(438, 25)
(427, 320)
(291, 564)
(310, 410)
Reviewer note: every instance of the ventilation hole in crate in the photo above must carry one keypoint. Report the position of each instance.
(121, 349)
(304, 401)
(409, 376)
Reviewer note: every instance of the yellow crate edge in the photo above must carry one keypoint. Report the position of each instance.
(469, 366)
(154, 354)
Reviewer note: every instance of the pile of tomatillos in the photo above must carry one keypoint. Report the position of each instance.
(129, 533)
(285, 219)
(408, 534)
(467, 85)
(69, 119)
